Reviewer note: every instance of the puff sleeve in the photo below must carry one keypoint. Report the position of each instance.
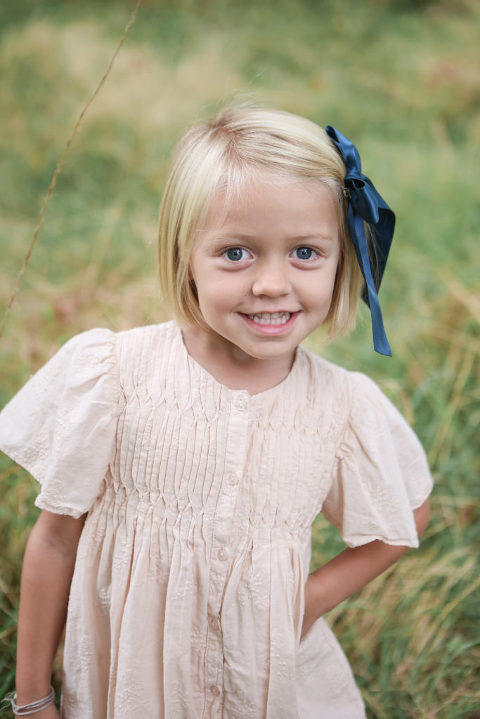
(381, 474)
(61, 425)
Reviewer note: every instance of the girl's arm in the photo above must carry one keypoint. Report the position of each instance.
(350, 570)
(46, 576)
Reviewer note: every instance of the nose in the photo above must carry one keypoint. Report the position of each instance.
(272, 280)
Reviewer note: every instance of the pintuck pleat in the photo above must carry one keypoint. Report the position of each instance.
(188, 593)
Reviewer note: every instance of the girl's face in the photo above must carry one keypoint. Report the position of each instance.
(265, 266)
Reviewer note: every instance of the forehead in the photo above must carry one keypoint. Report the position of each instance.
(263, 198)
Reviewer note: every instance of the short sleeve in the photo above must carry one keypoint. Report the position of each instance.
(381, 474)
(61, 425)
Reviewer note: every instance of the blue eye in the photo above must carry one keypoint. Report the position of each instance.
(304, 253)
(234, 254)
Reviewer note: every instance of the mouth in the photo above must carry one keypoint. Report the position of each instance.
(270, 318)
(270, 323)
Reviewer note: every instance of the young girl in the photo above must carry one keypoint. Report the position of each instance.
(182, 464)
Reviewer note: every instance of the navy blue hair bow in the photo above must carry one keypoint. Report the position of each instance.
(366, 205)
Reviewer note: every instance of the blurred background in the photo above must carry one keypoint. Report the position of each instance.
(401, 78)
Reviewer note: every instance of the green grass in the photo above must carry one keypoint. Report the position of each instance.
(402, 79)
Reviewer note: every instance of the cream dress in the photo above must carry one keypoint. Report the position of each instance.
(187, 597)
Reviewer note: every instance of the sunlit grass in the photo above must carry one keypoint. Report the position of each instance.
(402, 79)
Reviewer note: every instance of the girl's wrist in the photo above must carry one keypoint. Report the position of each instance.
(31, 692)
(23, 707)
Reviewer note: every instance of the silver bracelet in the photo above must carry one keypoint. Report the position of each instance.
(26, 709)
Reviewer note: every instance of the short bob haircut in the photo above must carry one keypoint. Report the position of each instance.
(223, 153)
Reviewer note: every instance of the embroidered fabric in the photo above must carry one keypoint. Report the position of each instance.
(187, 596)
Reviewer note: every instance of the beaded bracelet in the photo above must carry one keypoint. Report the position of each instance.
(26, 709)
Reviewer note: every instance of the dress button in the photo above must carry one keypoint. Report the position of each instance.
(222, 554)
(215, 691)
(232, 479)
(213, 621)
(241, 404)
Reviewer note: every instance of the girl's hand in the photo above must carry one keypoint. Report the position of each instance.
(351, 570)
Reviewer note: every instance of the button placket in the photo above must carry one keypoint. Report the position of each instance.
(236, 442)
(214, 623)
(236, 457)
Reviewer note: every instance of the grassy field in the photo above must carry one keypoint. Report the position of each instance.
(402, 79)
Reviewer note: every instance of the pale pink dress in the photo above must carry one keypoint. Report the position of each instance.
(187, 598)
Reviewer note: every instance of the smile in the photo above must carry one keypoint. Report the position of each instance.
(271, 323)
(270, 318)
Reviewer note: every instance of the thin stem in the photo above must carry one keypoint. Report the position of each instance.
(60, 164)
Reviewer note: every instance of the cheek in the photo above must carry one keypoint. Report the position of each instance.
(322, 285)
(220, 287)
(210, 294)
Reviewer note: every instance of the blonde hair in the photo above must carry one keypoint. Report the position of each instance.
(221, 154)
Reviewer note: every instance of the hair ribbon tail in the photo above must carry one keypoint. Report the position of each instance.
(359, 240)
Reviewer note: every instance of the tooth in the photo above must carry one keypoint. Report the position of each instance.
(273, 318)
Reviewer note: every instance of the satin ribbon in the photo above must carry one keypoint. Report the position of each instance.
(366, 205)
